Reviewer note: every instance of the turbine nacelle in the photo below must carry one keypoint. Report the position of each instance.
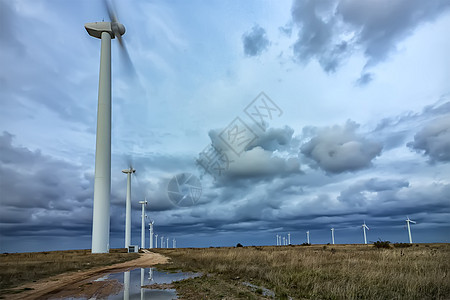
(114, 29)
(130, 170)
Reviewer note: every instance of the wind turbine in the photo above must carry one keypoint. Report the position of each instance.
(332, 235)
(174, 243)
(277, 239)
(364, 227)
(167, 242)
(156, 240)
(162, 242)
(408, 220)
(307, 236)
(151, 233)
(102, 182)
(289, 238)
(128, 207)
(284, 241)
(143, 203)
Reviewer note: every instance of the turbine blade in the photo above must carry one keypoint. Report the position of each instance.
(125, 58)
(111, 11)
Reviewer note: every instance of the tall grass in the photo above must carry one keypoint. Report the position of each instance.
(333, 272)
(21, 268)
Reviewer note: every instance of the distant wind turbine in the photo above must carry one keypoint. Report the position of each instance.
(332, 236)
(128, 207)
(289, 238)
(156, 240)
(167, 242)
(143, 203)
(174, 243)
(151, 233)
(162, 242)
(408, 220)
(277, 239)
(364, 227)
(307, 236)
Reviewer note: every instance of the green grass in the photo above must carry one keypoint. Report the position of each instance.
(315, 272)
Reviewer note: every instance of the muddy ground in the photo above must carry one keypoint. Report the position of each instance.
(81, 284)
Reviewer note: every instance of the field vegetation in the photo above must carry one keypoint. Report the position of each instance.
(314, 272)
(20, 268)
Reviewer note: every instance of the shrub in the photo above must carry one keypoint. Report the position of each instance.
(305, 244)
(382, 244)
(239, 245)
(402, 245)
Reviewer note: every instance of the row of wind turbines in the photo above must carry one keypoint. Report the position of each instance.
(106, 31)
(284, 241)
(164, 240)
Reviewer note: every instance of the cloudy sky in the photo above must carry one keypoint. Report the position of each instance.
(293, 116)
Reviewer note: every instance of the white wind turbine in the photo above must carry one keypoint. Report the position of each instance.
(156, 240)
(128, 207)
(174, 243)
(332, 235)
(364, 227)
(277, 240)
(102, 182)
(167, 242)
(307, 236)
(408, 220)
(151, 233)
(143, 203)
(289, 238)
(162, 242)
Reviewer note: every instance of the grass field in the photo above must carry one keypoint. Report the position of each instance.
(20, 268)
(315, 272)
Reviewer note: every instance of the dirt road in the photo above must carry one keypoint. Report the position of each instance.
(81, 284)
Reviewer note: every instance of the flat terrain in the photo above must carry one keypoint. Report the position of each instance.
(298, 272)
(66, 273)
(314, 272)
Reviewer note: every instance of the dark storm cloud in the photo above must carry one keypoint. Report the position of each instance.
(339, 149)
(43, 82)
(255, 41)
(355, 196)
(40, 193)
(331, 30)
(273, 153)
(365, 79)
(434, 140)
(396, 131)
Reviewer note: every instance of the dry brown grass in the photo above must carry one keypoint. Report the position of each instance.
(20, 268)
(318, 272)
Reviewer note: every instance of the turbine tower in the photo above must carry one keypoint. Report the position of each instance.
(408, 220)
(167, 243)
(289, 238)
(332, 235)
(364, 227)
(151, 233)
(307, 237)
(102, 182)
(156, 241)
(174, 243)
(162, 242)
(277, 240)
(128, 207)
(143, 203)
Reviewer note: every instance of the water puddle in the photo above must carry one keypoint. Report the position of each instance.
(262, 290)
(142, 283)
